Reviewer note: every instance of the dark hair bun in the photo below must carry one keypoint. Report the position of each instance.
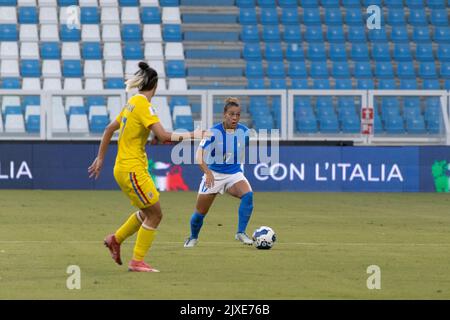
(232, 101)
(143, 65)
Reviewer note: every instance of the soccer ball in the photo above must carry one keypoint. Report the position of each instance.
(264, 238)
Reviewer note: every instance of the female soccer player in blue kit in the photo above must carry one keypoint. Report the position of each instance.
(223, 151)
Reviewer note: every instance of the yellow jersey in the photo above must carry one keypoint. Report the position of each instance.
(135, 119)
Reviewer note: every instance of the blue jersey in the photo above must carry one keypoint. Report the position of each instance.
(226, 151)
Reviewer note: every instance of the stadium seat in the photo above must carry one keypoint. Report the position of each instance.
(131, 32)
(333, 16)
(384, 70)
(439, 17)
(133, 51)
(290, 16)
(255, 84)
(365, 84)
(405, 70)
(176, 69)
(254, 69)
(150, 15)
(314, 34)
(363, 70)
(294, 52)
(378, 35)
(399, 34)
(28, 15)
(72, 69)
(417, 17)
(316, 52)
(319, 69)
(402, 52)
(335, 34)
(321, 84)
(359, 52)
(30, 68)
(247, 16)
(271, 33)
(89, 15)
(387, 84)
(250, 33)
(70, 34)
(275, 69)
(408, 84)
(431, 84)
(421, 34)
(311, 16)
(340, 70)
(396, 17)
(427, 70)
(91, 51)
(274, 52)
(424, 52)
(344, 84)
(292, 33)
(441, 34)
(443, 53)
(299, 83)
(380, 52)
(356, 34)
(154, 51)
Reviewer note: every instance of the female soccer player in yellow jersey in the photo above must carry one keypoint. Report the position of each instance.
(135, 122)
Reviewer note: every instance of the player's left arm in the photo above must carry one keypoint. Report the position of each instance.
(96, 166)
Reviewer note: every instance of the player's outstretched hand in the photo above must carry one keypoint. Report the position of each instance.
(95, 168)
(202, 134)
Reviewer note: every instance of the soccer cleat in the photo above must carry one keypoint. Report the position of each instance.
(242, 237)
(140, 266)
(114, 248)
(190, 242)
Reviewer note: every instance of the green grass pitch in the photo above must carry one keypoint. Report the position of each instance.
(326, 242)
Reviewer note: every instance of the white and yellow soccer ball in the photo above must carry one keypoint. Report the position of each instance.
(264, 238)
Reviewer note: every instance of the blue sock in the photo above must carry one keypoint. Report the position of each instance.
(245, 211)
(196, 224)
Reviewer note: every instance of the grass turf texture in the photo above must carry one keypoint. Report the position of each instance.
(325, 243)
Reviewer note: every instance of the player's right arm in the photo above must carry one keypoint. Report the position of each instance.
(164, 135)
(96, 166)
(200, 156)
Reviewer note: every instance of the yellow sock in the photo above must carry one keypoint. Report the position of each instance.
(130, 227)
(144, 240)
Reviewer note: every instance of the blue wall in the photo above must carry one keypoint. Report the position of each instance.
(335, 169)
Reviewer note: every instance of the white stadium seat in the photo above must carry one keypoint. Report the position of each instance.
(177, 84)
(163, 111)
(9, 50)
(9, 68)
(93, 84)
(31, 84)
(70, 51)
(51, 68)
(181, 111)
(152, 33)
(161, 85)
(90, 32)
(88, 3)
(78, 123)
(174, 51)
(149, 3)
(52, 84)
(108, 3)
(130, 15)
(131, 66)
(97, 111)
(26, 3)
(114, 106)
(32, 110)
(159, 67)
(49, 32)
(48, 15)
(47, 3)
(171, 15)
(73, 101)
(93, 69)
(10, 101)
(112, 51)
(1, 123)
(111, 32)
(8, 15)
(153, 51)
(110, 15)
(59, 120)
(14, 123)
(28, 32)
(73, 84)
(113, 69)
(29, 50)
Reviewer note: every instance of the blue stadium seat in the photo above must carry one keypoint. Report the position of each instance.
(414, 3)
(30, 100)
(150, 15)
(424, 52)
(338, 52)
(421, 34)
(252, 51)
(287, 3)
(441, 34)
(427, 70)
(11, 83)
(351, 3)
(333, 16)
(8, 32)
(8, 3)
(267, 3)
(324, 106)
(275, 69)
(346, 103)
(387, 84)
(351, 124)
(372, 2)
(169, 3)
(356, 34)
(443, 53)
(405, 70)
(378, 126)
(311, 16)
(172, 33)
(271, 33)
(184, 122)
(329, 3)
(335, 34)
(91, 51)
(28, 15)
(340, 70)
(30, 68)
(365, 84)
(297, 69)
(359, 52)
(400, 34)
(344, 84)
(68, 34)
(321, 84)
(384, 70)
(33, 124)
(50, 50)
(129, 3)
(72, 69)
(415, 125)
(314, 34)
(445, 70)
(402, 52)
(408, 84)
(307, 124)
(396, 17)
(436, 4)
(439, 17)
(115, 83)
(319, 69)
(269, 16)
(292, 33)
(245, 3)
(95, 101)
(363, 70)
(381, 52)
(309, 3)
(131, 32)
(431, 84)
(378, 35)
(254, 69)
(176, 69)
(353, 16)
(89, 15)
(316, 52)
(290, 16)
(279, 84)
(255, 84)
(133, 51)
(417, 17)
(98, 123)
(294, 52)
(247, 16)
(66, 3)
(329, 124)
(274, 52)
(250, 33)
(394, 3)
(299, 84)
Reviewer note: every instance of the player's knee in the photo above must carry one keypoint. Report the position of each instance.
(247, 200)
